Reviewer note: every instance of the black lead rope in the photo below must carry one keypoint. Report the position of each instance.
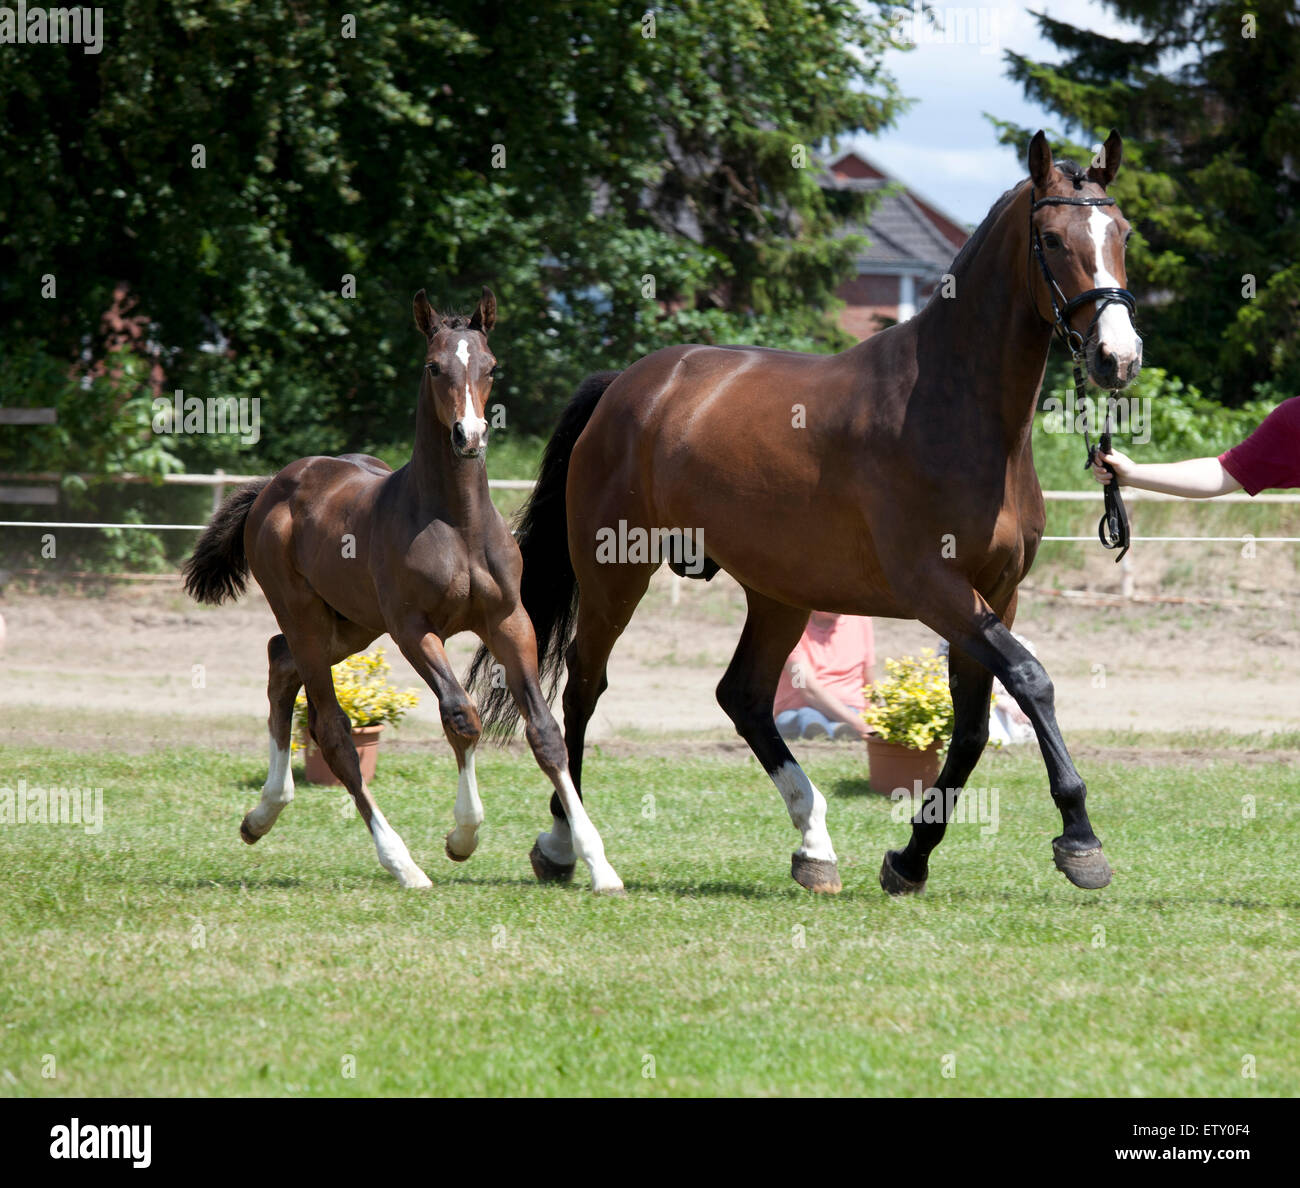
(1112, 529)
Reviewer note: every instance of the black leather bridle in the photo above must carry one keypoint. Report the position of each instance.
(1113, 529)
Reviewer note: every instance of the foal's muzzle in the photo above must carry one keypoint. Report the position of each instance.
(468, 443)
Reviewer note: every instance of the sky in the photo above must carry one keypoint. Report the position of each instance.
(944, 148)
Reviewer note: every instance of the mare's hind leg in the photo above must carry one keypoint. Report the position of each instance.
(460, 722)
(608, 596)
(282, 687)
(318, 639)
(746, 693)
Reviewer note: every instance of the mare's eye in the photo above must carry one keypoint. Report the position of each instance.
(1052, 241)
(494, 370)
(434, 369)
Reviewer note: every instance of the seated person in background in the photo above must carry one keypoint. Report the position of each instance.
(820, 693)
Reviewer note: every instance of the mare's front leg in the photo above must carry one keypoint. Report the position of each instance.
(460, 722)
(514, 646)
(962, 616)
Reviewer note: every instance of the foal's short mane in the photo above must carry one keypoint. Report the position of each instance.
(1068, 168)
(453, 321)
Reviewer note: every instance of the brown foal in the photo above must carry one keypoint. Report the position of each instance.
(895, 478)
(346, 549)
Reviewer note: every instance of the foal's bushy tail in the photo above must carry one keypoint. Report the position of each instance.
(548, 588)
(218, 569)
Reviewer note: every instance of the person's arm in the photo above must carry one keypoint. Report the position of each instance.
(1194, 478)
(817, 697)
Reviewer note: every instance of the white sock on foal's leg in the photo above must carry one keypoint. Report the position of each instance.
(463, 840)
(394, 857)
(276, 792)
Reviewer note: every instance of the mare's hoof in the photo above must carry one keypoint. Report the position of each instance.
(815, 874)
(247, 834)
(546, 870)
(446, 845)
(895, 883)
(1087, 868)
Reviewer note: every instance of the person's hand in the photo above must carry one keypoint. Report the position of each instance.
(1122, 464)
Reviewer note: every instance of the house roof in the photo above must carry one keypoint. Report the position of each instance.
(905, 230)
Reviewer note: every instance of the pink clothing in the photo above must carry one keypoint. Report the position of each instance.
(837, 655)
(1269, 457)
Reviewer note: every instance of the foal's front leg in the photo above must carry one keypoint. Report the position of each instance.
(514, 646)
(460, 722)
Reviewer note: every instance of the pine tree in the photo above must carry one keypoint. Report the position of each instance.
(1208, 102)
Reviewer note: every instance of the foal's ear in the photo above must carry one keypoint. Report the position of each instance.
(1040, 161)
(426, 321)
(1106, 163)
(485, 317)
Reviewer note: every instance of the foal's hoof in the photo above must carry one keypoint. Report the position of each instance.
(1087, 868)
(815, 874)
(546, 870)
(246, 833)
(446, 845)
(893, 882)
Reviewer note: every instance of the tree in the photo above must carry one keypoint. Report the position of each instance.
(1211, 179)
(271, 182)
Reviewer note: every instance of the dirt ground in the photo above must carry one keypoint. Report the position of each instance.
(95, 665)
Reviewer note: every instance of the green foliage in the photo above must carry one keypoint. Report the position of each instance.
(912, 706)
(375, 156)
(1209, 179)
(1176, 420)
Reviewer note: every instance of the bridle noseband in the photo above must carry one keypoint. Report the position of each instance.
(1113, 529)
(1061, 307)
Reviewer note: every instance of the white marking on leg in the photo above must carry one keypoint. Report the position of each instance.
(807, 808)
(1114, 328)
(394, 857)
(469, 809)
(558, 844)
(276, 792)
(586, 841)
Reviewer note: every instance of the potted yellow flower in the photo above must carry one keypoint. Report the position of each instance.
(911, 713)
(370, 701)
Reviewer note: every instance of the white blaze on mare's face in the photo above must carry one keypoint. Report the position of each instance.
(1114, 327)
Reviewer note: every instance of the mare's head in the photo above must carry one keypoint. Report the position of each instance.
(458, 368)
(1083, 249)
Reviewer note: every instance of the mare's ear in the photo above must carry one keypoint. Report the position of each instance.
(426, 321)
(1040, 161)
(1106, 163)
(485, 317)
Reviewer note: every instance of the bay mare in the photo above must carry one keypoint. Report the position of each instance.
(895, 478)
(346, 549)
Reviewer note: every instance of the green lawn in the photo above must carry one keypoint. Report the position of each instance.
(162, 956)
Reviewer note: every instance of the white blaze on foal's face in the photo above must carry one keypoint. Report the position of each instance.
(473, 428)
(1116, 336)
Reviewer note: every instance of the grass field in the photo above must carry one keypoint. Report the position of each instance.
(162, 956)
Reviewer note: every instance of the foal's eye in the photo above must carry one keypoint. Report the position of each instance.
(1052, 241)
(434, 369)
(494, 370)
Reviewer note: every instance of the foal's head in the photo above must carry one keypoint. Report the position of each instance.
(1083, 247)
(458, 368)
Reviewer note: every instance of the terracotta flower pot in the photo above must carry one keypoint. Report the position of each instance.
(894, 766)
(366, 741)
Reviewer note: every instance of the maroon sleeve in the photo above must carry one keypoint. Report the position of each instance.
(1269, 457)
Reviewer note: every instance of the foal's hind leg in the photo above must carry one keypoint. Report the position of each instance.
(282, 687)
(317, 639)
(746, 693)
